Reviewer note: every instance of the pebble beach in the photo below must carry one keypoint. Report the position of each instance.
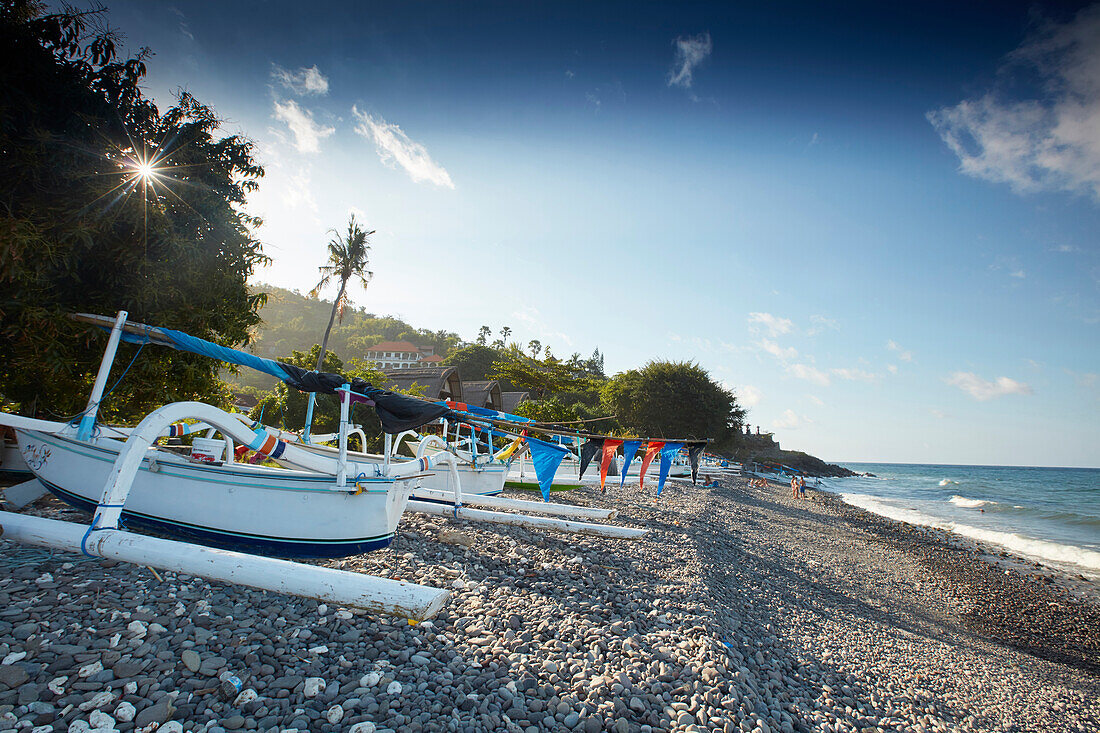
(740, 610)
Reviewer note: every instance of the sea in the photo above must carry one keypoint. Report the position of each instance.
(1050, 515)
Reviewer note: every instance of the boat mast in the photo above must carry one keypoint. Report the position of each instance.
(87, 422)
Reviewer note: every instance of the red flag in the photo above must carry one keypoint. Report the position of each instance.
(610, 448)
(653, 449)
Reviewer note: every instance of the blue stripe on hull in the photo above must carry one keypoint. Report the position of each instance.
(252, 544)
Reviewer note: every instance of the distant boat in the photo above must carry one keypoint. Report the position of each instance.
(12, 465)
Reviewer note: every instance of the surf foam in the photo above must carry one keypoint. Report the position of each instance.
(1041, 550)
(968, 503)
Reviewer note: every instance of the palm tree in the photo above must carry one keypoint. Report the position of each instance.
(347, 258)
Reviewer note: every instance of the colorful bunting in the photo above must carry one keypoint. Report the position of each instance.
(650, 451)
(610, 448)
(546, 458)
(695, 450)
(588, 452)
(667, 454)
(630, 447)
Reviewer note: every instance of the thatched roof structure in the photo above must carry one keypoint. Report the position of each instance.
(440, 383)
(483, 394)
(510, 400)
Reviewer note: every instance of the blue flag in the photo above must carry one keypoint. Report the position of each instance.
(546, 457)
(630, 447)
(667, 454)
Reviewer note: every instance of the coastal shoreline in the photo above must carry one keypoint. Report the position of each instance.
(741, 610)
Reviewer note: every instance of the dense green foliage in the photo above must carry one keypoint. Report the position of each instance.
(81, 231)
(294, 322)
(474, 362)
(675, 400)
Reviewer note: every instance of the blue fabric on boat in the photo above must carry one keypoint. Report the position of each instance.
(546, 458)
(667, 454)
(474, 410)
(185, 342)
(630, 447)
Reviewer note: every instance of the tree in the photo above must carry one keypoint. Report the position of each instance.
(347, 258)
(541, 378)
(673, 399)
(483, 335)
(535, 346)
(505, 332)
(475, 362)
(106, 203)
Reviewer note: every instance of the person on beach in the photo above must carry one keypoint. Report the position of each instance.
(794, 487)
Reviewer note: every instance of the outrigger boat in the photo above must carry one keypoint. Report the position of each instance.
(323, 505)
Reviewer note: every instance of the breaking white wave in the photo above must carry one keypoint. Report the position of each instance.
(1041, 550)
(968, 503)
(948, 482)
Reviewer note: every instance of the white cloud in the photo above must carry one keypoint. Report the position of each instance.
(1065, 248)
(307, 133)
(774, 324)
(1046, 143)
(821, 323)
(690, 52)
(791, 421)
(298, 191)
(854, 375)
(1018, 274)
(748, 396)
(532, 319)
(902, 353)
(809, 373)
(892, 368)
(779, 352)
(303, 82)
(816, 400)
(983, 389)
(396, 149)
(938, 413)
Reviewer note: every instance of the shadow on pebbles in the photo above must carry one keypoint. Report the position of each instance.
(739, 611)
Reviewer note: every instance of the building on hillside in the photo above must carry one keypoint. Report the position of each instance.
(483, 394)
(439, 383)
(401, 355)
(759, 441)
(511, 400)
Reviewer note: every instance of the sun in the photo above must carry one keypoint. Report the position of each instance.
(144, 170)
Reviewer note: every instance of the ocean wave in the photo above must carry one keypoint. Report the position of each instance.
(969, 503)
(948, 482)
(1042, 550)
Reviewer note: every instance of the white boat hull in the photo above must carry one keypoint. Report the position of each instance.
(485, 480)
(256, 509)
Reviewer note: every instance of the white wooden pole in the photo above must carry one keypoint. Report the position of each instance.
(87, 422)
(502, 502)
(523, 520)
(342, 456)
(370, 593)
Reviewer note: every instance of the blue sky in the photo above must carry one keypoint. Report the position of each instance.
(877, 225)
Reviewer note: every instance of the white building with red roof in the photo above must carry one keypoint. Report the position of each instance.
(401, 355)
